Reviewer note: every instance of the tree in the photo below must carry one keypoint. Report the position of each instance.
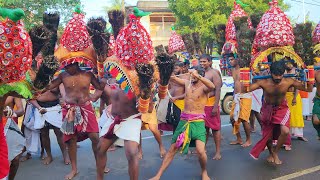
(34, 9)
(204, 15)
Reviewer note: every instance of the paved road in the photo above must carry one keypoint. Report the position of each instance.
(236, 163)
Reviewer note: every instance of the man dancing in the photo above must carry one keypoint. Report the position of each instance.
(275, 111)
(192, 124)
(48, 116)
(78, 114)
(212, 109)
(241, 106)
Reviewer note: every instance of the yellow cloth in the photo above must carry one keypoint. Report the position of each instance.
(244, 113)
(149, 118)
(179, 103)
(211, 101)
(296, 117)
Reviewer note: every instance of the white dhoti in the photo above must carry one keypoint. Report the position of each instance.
(31, 134)
(53, 116)
(128, 129)
(15, 139)
(257, 100)
(102, 121)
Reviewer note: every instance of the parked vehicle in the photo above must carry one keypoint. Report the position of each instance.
(226, 95)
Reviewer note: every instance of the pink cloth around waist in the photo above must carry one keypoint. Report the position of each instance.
(190, 117)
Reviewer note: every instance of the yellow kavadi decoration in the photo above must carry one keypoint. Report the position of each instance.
(282, 52)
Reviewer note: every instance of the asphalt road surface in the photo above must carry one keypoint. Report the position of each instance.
(236, 164)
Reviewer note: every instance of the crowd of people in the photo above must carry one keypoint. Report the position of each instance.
(197, 87)
(134, 96)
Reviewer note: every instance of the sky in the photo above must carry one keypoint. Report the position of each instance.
(312, 7)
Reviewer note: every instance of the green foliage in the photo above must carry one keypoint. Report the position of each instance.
(34, 9)
(303, 42)
(203, 16)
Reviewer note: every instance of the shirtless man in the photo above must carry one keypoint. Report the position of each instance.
(48, 116)
(13, 110)
(316, 105)
(127, 118)
(295, 106)
(212, 109)
(275, 111)
(241, 107)
(176, 95)
(192, 119)
(76, 83)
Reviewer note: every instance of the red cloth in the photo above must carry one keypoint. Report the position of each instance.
(89, 125)
(75, 36)
(133, 44)
(230, 27)
(4, 162)
(165, 127)
(274, 29)
(16, 51)
(316, 34)
(110, 134)
(212, 122)
(272, 117)
(175, 43)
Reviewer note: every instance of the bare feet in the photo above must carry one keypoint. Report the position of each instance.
(140, 155)
(270, 159)
(246, 144)
(112, 148)
(253, 129)
(106, 170)
(26, 157)
(66, 159)
(47, 160)
(162, 152)
(205, 176)
(276, 159)
(155, 178)
(71, 175)
(237, 142)
(42, 155)
(303, 139)
(287, 147)
(217, 156)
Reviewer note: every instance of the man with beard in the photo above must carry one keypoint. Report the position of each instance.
(212, 109)
(78, 114)
(191, 125)
(176, 96)
(295, 105)
(241, 106)
(275, 111)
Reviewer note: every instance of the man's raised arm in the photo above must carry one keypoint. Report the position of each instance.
(179, 81)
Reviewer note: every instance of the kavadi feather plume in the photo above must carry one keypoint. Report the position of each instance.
(116, 19)
(99, 37)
